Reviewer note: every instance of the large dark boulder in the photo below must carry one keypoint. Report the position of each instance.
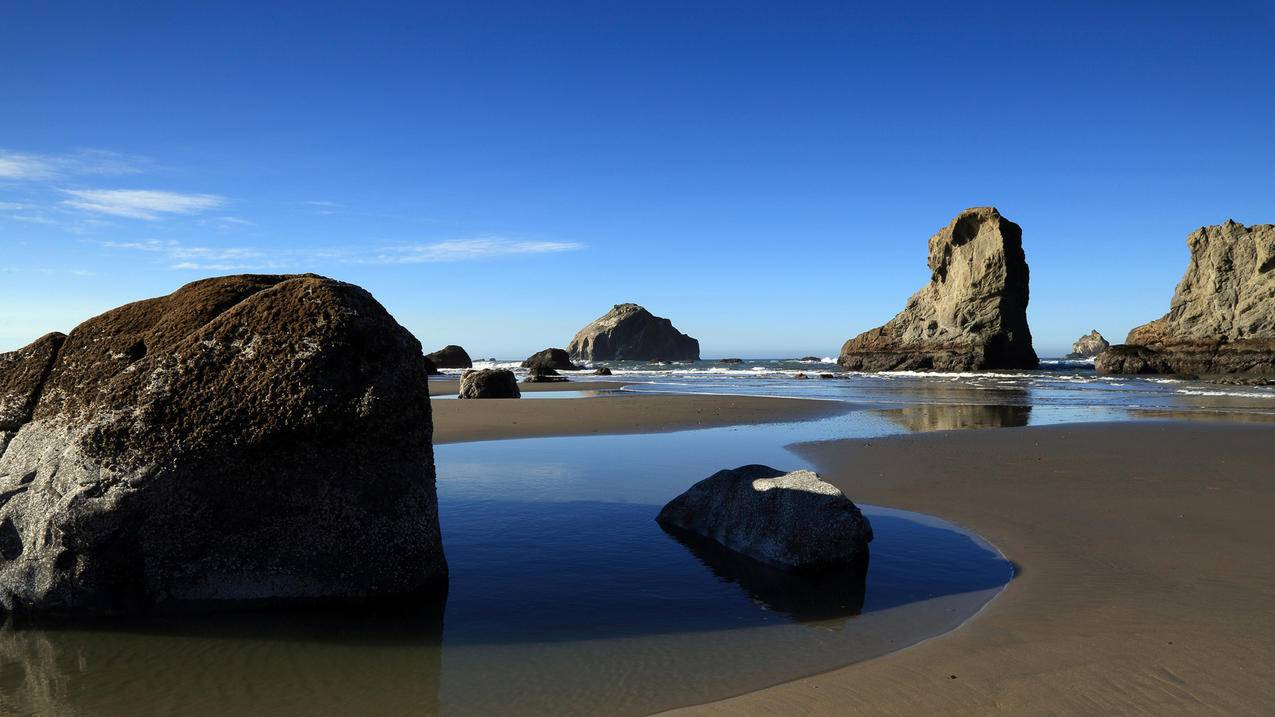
(555, 359)
(1222, 316)
(489, 383)
(972, 314)
(629, 332)
(451, 356)
(792, 521)
(245, 438)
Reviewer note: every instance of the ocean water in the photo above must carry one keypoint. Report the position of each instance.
(1061, 390)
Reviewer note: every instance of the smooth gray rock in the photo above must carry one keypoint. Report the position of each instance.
(245, 438)
(792, 521)
(629, 332)
(489, 383)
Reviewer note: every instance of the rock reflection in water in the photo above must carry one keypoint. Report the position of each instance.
(271, 662)
(827, 597)
(947, 417)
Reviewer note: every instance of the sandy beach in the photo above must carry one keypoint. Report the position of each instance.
(1142, 549)
(459, 421)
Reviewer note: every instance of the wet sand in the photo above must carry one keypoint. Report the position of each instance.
(1145, 578)
(484, 420)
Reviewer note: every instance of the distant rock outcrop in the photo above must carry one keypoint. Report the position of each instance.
(451, 356)
(1088, 346)
(540, 374)
(1222, 317)
(243, 438)
(629, 332)
(602, 371)
(973, 313)
(556, 359)
(489, 383)
(793, 521)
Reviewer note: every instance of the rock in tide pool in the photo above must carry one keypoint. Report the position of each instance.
(1222, 317)
(489, 383)
(554, 359)
(245, 438)
(451, 356)
(792, 521)
(1088, 346)
(629, 332)
(602, 371)
(971, 316)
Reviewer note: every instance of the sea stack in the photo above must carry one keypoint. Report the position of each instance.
(451, 356)
(972, 315)
(1222, 316)
(629, 332)
(245, 438)
(1088, 346)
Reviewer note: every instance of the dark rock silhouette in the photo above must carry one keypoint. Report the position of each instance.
(555, 359)
(451, 356)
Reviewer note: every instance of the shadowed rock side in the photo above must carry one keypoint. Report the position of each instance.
(243, 438)
(451, 356)
(1222, 317)
(1088, 346)
(555, 359)
(973, 313)
(791, 521)
(629, 332)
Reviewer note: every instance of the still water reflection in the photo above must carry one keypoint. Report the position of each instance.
(566, 598)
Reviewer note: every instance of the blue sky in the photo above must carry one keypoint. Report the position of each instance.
(499, 174)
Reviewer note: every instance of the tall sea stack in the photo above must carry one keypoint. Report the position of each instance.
(973, 313)
(245, 438)
(1222, 316)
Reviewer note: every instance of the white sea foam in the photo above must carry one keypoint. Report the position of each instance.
(1238, 394)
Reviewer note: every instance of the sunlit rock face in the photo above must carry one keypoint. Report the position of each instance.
(791, 521)
(245, 438)
(971, 315)
(1222, 316)
(1089, 346)
(629, 332)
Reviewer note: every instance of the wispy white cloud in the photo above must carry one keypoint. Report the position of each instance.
(468, 249)
(147, 204)
(32, 166)
(177, 255)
